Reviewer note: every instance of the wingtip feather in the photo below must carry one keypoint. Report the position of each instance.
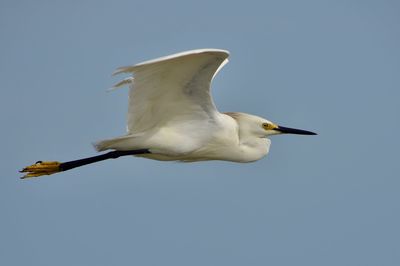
(122, 83)
(125, 69)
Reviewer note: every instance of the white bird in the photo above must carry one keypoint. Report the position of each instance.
(172, 117)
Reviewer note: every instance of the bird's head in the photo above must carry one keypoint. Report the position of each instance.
(274, 129)
(261, 127)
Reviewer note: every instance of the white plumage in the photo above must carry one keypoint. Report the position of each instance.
(172, 116)
(171, 113)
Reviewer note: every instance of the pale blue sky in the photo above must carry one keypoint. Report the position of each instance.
(328, 66)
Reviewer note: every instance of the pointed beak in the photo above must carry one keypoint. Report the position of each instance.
(288, 130)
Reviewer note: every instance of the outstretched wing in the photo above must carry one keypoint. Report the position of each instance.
(172, 89)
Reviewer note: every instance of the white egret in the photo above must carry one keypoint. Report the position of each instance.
(172, 117)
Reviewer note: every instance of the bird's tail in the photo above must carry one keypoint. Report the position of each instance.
(118, 143)
(103, 145)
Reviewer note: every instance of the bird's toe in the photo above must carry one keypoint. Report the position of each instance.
(41, 168)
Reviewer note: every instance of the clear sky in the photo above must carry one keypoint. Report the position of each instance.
(328, 66)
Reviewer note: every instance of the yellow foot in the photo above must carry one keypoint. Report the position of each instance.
(41, 168)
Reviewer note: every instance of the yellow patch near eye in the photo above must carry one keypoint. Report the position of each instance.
(269, 126)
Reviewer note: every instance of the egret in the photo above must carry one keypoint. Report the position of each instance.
(172, 117)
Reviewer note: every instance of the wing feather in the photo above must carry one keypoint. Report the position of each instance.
(172, 89)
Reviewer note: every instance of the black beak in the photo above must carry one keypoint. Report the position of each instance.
(288, 130)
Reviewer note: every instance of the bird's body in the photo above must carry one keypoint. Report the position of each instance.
(172, 116)
(217, 139)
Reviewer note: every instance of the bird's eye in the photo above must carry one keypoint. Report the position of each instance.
(269, 126)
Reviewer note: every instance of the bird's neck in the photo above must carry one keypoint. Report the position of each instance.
(254, 149)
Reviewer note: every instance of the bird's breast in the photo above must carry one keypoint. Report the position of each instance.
(254, 150)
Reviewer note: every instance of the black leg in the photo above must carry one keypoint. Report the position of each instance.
(110, 155)
(48, 168)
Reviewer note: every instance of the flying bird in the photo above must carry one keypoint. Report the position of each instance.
(172, 117)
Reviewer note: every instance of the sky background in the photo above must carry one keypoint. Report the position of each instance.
(328, 66)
